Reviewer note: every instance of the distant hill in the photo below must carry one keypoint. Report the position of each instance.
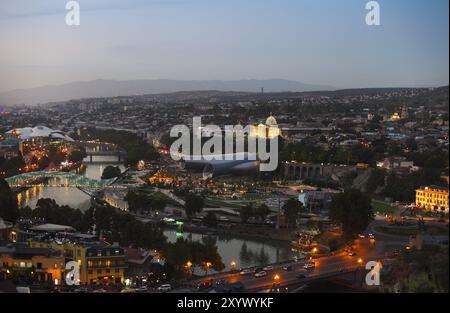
(112, 88)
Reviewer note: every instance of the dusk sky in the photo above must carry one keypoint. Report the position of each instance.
(323, 42)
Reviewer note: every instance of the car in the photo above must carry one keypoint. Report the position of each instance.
(81, 290)
(142, 289)
(258, 269)
(128, 290)
(204, 285)
(245, 272)
(362, 236)
(260, 274)
(165, 288)
(220, 282)
(371, 236)
(100, 291)
(352, 253)
(309, 265)
(287, 268)
(268, 268)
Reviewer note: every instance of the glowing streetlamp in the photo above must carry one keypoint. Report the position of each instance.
(207, 266)
(188, 267)
(276, 278)
(315, 250)
(360, 261)
(233, 265)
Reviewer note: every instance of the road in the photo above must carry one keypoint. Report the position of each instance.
(325, 265)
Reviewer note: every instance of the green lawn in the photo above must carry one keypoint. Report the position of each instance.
(382, 207)
(409, 231)
(221, 203)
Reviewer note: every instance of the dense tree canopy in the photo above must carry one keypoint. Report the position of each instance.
(202, 255)
(352, 209)
(8, 202)
(194, 204)
(111, 172)
(292, 209)
(145, 201)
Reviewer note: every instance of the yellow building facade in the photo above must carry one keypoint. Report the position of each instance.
(432, 198)
(98, 264)
(43, 268)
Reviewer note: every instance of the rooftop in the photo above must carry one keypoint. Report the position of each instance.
(38, 131)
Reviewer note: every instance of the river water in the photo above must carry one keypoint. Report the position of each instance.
(70, 196)
(244, 252)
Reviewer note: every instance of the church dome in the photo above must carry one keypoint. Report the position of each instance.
(271, 121)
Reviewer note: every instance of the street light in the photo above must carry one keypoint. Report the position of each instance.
(315, 250)
(360, 261)
(189, 267)
(233, 265)
(207, 266)
(276, 278)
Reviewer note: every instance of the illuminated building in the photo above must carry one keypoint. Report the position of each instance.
(44, 265)
(28, 133)
(269, 130)
(395, 117)
(98, 263)
(432, 198)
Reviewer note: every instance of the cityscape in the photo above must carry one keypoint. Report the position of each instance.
(96, 196)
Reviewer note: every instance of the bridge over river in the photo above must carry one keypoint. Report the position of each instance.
(95, 149)
(63, 179)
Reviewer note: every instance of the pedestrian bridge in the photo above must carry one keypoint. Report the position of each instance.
(63, 179)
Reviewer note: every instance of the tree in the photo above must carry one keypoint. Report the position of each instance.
(157, 202)
(262, 212)
(76, 156)
(210, 219)
(204, 255)
(352, 209)
(292, 209)
(111, 172)
(9, 210)
(246, 212)
(44, 162)
(194, 204)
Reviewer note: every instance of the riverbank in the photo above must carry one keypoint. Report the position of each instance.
(244, 231)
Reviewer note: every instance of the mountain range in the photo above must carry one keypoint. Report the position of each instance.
(111, 88)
